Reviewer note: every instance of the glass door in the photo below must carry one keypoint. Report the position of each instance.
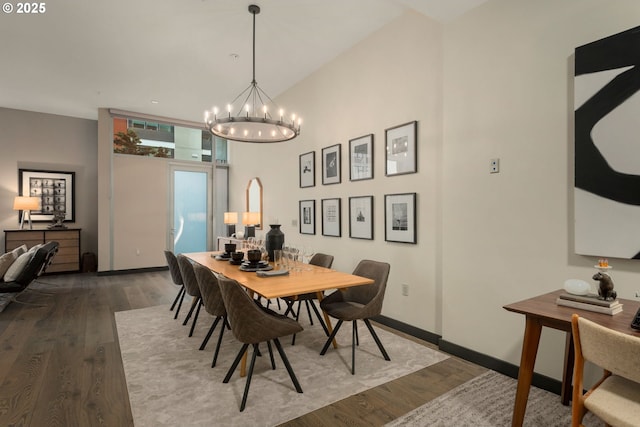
(191, 209)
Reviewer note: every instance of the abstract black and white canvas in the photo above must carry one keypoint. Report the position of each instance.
(607, 169)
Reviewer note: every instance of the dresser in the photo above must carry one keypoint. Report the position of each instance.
(68, 257)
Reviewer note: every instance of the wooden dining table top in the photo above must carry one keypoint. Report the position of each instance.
(310, 278)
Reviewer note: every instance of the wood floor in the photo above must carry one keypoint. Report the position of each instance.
(60, 361)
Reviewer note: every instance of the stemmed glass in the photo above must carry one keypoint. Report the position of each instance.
(307, 253)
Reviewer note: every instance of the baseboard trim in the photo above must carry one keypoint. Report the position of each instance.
(409, 329)
(505, 368)
(132, 271)
(509, 369)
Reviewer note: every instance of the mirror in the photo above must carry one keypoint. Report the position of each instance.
(254, 198)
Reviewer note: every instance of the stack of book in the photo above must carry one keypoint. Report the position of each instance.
(589, 302)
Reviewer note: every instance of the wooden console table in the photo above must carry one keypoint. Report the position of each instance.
(543, 311)
(68, 257)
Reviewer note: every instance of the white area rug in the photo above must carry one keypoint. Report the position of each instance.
(487, 401)
(170, 381)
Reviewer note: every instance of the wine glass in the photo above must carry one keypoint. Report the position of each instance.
(307, 252)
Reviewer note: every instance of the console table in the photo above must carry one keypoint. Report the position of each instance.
(542, 311)
(68, 257)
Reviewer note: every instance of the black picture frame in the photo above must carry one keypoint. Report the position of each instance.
(56, 190)
(331, 164)
(307, 220)
(361, 217)
(401, 155)
(331, 217)
(307, 167)
(361, 158)
(400, 218)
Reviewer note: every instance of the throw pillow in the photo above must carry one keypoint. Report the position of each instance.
(19, 250)
(5, 262)
(16, 268)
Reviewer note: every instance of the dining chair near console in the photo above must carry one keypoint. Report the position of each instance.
(358, 303)
(213, 304)
(192, 288)
(615, 399)
(252, 325)
(321, 260)
(176, 277)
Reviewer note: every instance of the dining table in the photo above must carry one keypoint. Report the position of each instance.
(303, 279)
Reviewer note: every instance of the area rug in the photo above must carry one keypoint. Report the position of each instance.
(487, 401)
(170, 381)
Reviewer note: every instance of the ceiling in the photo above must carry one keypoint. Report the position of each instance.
(176, 58)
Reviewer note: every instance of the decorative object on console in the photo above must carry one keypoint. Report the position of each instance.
(250, 220)
(274, 240)
(231, 219)
(25, 205)
(249, 117)
(605, 289)
(58, 221)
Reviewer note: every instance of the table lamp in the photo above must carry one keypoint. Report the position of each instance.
(250, 220)
(231, 219)
(26, 205)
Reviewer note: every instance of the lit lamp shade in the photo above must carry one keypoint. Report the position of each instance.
(231, 219)
(250, 219)
(26, 205)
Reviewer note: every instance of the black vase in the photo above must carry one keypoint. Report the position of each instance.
(274, 240)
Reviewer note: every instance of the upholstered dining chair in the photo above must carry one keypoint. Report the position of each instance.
(213, 304)
(615, 399)
(322, 260)
(191, 287)
(176, 277)
(358, 303)
(251, 325)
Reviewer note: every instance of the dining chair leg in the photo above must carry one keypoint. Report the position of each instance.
(287, 365)
(355, 330)
(177, 298)
(315, 310)
(376, 339)
(306, 302)
(273, 361)
(249, 374)
(354, 338)
(215, 354)
(331, 337)
(194, 303)
(195, 318)
(180, 304)
(234, 365)
(211, 329)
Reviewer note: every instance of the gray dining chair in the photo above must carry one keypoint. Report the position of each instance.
(251, 325)
(176, 277)
(358, 303)
(213, 304)
(192, 288)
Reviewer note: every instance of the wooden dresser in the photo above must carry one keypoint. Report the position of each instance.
(68, 257)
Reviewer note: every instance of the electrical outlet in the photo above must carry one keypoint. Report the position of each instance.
(494, 166)
(405, 290)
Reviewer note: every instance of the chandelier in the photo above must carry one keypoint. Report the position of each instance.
(252, 116)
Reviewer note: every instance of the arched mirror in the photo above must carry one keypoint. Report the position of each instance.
(254, 198)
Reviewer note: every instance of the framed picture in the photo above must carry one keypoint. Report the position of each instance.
(361, 158)
(331, 165)
(361, 217)
(56, 191)
(331, 217)
(401, 149)
(400, 218)
(307, 217)
(308, 169)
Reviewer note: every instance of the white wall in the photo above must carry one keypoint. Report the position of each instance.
(391, 78)
(508, 76)
(31, 140)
